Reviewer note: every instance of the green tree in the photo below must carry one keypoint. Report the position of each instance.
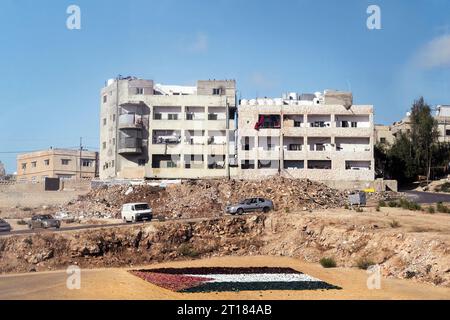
(424, 135)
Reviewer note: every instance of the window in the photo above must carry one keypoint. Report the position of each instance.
(157, 116)
(447, 132)
(65, 162)
(33, 164)
(47, 162)
(104, 121)
(171, 164)
(354, 124)
(173, 116)
(139, 90)
(141, 162)
(217, 91)
(212, 116)
(297, 124)
(105, 98)
(24, 166)
(383, 140)
(247, 164)
(104, 145)
(114, 118)
(189, 116)
(86, 162)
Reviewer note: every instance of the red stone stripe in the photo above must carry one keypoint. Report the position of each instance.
(174, 282)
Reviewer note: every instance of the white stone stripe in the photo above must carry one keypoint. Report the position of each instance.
(256, 277)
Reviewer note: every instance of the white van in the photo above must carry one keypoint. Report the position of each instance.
(132, 212)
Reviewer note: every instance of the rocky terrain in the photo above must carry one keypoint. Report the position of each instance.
(206, 198)
(422, 255)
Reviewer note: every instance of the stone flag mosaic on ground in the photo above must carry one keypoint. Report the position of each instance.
(217, 279)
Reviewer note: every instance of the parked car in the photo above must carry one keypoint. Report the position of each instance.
(249, 205)
(4, 226)
(44, 221)
(132, 212)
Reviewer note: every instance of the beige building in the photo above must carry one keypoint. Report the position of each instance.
(383, 135)
(57, 163)
(442, 117)
(167, 132)
(316, 136)
(159, 131)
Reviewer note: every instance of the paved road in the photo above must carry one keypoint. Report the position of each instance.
(427, 197)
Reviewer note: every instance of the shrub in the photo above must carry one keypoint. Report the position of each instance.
(382, 203)
(327, 263)
(26, 209)
(346, 207)
(21, 222)
(444, 187)
(187, 250)
(364, 263)
(392, 204)
(359, 209)
(394, 224)
(430, 209)
(440, 207)
(378, 208)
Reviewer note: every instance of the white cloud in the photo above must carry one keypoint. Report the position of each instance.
(200, 43)
(435, 54)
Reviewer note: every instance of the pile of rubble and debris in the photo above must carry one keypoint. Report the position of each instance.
(207, 198)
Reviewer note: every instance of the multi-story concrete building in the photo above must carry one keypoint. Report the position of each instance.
(158, 131)
(317, 136)
(57, 163)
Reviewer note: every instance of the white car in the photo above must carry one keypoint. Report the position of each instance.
(132, 212)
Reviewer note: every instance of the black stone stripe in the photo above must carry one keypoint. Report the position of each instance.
(221, 270)
(260, 286)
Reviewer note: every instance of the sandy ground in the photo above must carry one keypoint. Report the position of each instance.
(118, 284)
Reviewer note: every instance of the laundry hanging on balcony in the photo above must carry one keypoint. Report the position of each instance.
(260, 122)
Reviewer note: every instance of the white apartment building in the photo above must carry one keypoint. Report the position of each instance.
(316, 136)
(159, 131)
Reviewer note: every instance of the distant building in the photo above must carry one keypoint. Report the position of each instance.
(383, 135)
(57, 163)
(2, 170)
(442, 117)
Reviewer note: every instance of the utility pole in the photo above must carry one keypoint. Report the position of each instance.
(80, 160)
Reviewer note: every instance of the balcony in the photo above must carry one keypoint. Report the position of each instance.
(130, 121)
(130, 145)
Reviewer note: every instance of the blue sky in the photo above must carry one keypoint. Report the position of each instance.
(51, 76)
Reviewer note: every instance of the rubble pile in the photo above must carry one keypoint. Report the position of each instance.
(208, 198)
